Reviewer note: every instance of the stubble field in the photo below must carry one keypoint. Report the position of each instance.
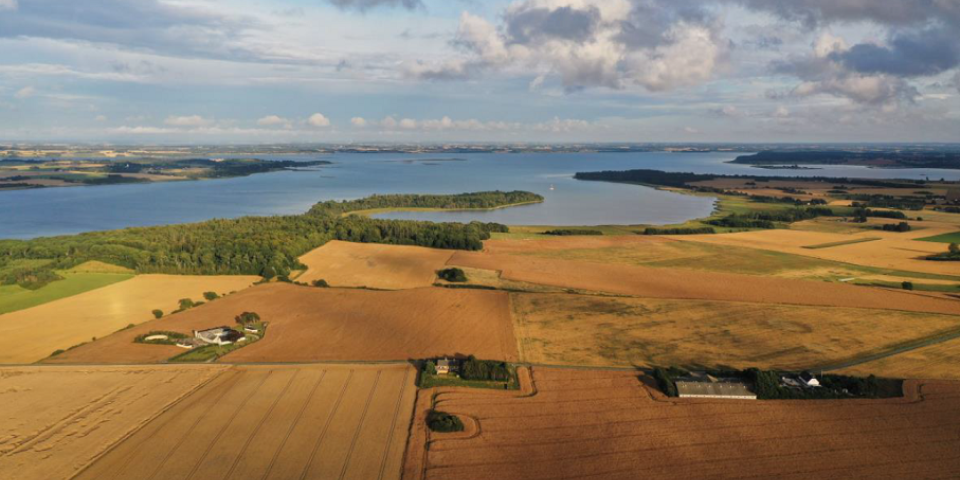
(391, 267)
(557, 329)
(33, 334)
(603, 424)
(309, 324)
(56, 420)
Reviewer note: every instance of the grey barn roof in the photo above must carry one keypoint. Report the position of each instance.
(720, 389)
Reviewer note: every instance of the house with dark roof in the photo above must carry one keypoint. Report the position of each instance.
(219, 336)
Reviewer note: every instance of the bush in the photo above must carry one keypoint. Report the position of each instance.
(679, 231)
(907, 285)
(443, 422)
(485, 370)
(247, 317)
(210, 296)
(158, 314)
(430, 368)
(186, 303)
(452, 275)
(321, 283)
(896, 227)
(572, 231)
(666, 384)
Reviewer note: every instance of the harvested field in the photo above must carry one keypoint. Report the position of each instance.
(391, 267)
(315, 324)
(56, 420)
(558, 329)
(306, 422)
(604, 424)
(940, 361)
(680, 284)
(34, 333)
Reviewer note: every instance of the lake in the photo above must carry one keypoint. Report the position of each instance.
(58, 211)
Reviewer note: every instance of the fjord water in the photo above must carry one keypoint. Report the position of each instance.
(57, 211)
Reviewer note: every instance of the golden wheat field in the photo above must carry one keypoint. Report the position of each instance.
(307, 324)
(610, 425)
(33, 334)
(392, 267)
(939, 361)
(276, 422)
(57, 420)
(609, 331)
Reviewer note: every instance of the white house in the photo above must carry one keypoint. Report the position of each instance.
(446, 365)
(219, 336)
(809, 380)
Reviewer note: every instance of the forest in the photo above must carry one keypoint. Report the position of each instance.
(267, 246)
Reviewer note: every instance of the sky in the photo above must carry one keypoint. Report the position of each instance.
(521, 71)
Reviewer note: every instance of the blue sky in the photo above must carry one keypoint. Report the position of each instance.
(247, 71)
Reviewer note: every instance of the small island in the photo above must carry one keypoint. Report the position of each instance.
(16, 173)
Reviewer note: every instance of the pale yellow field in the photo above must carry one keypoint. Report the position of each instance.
(590, 330)
(940, 361)
(391, 267)
(56, 420)
(899, 251)
(276, 423)
(33, 334)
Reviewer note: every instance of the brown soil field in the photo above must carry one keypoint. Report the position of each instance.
(390, 267)
(684, 284)
(609, 425)
(557, 329)
(34, 333)
(56, 420)
(316, 324)
(940, 361)
(276, 422)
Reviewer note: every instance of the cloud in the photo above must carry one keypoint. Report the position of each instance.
(913, 53)
(273, 121)
(318, 120)
(187, 121)
(588, 43)
(8, 5)
(886, 12)
(358, 122)
(364, 5)
(100, 118)
(25, 92)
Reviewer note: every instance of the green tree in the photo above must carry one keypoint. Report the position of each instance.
(210, 296)
(186, 303)
(907, 285)
(247, 317)
(430, 368)
(158, 314)
(321, 283)
(954, 248)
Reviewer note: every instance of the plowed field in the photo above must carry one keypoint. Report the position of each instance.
(608, 425)
(316, 324)
(303, 422)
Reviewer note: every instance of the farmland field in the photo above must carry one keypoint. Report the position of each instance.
(314, 324)
(606, 424)
(13, 297)
(939, 361)
(306, 422)
(56, 420)
(953, 237)
(34, 333)
(682, 284)
(589, 330)
(392, 267)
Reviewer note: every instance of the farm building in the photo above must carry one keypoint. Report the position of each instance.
(804, 380)
(219, 336)
(446, 365)
(707, 386)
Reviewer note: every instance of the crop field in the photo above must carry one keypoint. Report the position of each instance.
(316, 324)
(604, 424)
(34, 333)
(939, 361)
(559, 329)
(953, 237)
(13, 297)
(680, 284)
(391, 267)
(56, 420)
(291, 422)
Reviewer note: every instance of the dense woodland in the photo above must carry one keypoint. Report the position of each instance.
(901, 159)
(683, 179)
(267, 246)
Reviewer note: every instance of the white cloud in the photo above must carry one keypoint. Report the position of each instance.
(318, 120)
(274, 121)
(187, 121)
(388, 123)
(8, 5)
(25, 92)
(408, 124)
(358, 122)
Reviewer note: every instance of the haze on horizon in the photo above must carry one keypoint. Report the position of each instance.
(245, 71)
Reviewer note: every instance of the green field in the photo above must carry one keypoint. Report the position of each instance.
(839, 244)
(13, 297)
(945, 238)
